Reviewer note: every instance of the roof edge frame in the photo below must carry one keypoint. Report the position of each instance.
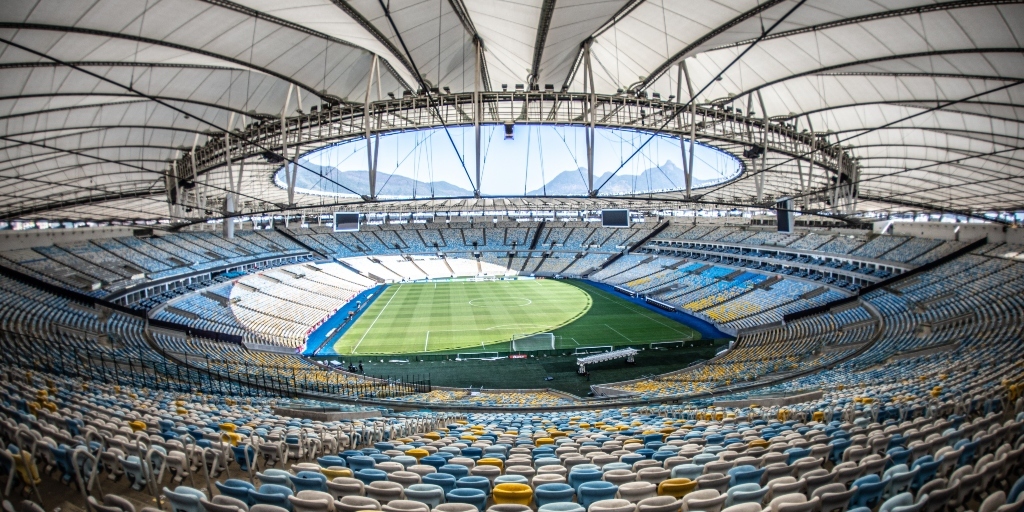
(933, 53)
(907, 104)
(106, 104)
(380, 37)
(460, 10)
(623, 11)
(681, 54)
(920, 9)
(88, 200)
(156, 42)
(547, 10)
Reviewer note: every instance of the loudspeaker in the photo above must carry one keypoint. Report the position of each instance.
(785, 219)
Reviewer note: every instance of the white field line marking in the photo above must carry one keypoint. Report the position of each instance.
(425, 343)
(646, 314)
(375, 319)
(619, 333)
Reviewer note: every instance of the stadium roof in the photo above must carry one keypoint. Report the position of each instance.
(98, 96)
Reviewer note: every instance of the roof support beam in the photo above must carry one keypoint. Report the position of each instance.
(467, 23)
(547, 9)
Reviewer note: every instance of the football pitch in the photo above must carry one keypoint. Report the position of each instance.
(481, 316)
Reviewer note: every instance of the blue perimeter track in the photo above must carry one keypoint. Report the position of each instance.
(318, 338)
(706, 329)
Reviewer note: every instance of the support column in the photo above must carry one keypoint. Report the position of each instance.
(371, 154)
(688, 168)
(588, 80)
(229, 197)
(288, 174)
(764, 147)
(477, 112)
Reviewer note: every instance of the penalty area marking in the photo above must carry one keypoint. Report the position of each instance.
(375, 319)
(619, 333)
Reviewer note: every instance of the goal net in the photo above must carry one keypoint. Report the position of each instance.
(487, 356)
(533, 342)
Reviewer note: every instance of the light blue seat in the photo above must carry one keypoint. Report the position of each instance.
(745, 474)
(745, 493)
(456, 470)
(430, 494)
(309, 481)
(901, 500)
(443, 480)
(546, 461)
(1016, 491)
(590, 492)
(405, 460)
(275, 476)
(136, 473)
(578, 477)
(235, 488)
(691, 471)
(561, 506)
(704, 458)
(511, 479)
(615, 465)
(272, 494)
(474, 497)
(927, 467)
(900, 479)
(553, 493)
(184, 499)
(474, 482)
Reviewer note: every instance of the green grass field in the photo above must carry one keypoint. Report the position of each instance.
(484, 316)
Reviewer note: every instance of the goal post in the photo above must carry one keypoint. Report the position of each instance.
(533, 342)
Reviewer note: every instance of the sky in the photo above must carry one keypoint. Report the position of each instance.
(535, 155)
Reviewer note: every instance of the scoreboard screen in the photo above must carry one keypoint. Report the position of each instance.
(346, 221)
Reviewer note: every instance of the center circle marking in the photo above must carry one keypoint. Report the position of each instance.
(491, 303)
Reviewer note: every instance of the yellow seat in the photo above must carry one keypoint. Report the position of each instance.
(818, 416)
(490, 461)
(512, 494)
(433, 436)
(228, 427)
(137, 426)
(418, 453)
(231, 438)
(543, 441)
(332, 473)
(557, 434)
(676, 487)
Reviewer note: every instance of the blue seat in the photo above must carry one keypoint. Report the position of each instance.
(474, 482)
(240, 453)
(309, 481)
(358, 462)
(553, 493)
(927, 467)
(473, 453)
(235, 488)
(272, 494)
(456, 470)
(184, 499)
(433, 460)
(897, 455)
(869, 491)
(474, 497)
(1016, 491)
(329, 461)
(578, 477)
(367, 476)
(743, 475)
(631, 458)
(970, 448)
(590, 492)
(838, 447)
(796, 454)
(443, 480)
(745, 493)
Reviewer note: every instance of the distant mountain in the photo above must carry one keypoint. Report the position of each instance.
(573, 183)
(387, 184)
